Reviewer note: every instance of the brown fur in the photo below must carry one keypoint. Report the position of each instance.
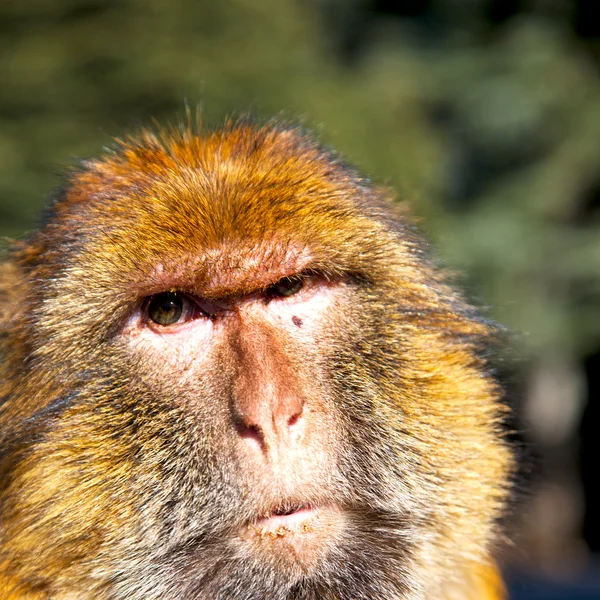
(119, 478)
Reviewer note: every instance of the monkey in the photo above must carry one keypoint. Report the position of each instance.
(231, 370)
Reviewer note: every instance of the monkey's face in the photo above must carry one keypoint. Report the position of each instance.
(251, 375)
(236, 376)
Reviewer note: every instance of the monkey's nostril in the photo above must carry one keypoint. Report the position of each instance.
(251, 432)
(294, 419)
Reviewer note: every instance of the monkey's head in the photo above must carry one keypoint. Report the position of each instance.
(230, 371)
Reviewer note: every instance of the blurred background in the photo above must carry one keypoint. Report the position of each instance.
(484, 115)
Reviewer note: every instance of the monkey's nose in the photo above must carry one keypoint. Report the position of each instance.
(272, 422)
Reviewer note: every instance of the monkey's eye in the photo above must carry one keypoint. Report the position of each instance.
(168, 308)
(288, 286)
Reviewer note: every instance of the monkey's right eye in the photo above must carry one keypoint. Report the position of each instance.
(168, 308)
(288, 286)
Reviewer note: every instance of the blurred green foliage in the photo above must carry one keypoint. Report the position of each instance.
(484, 114)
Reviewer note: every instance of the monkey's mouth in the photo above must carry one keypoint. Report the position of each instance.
(296, 538)
(284, 521)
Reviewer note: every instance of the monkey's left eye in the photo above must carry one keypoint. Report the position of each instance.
(288, 286)
(169, 308)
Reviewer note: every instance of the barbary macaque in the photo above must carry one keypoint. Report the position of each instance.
(231, 371)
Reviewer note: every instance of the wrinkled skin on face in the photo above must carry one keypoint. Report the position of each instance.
(230, 371)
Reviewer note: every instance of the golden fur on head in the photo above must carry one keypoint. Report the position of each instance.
(111, 469)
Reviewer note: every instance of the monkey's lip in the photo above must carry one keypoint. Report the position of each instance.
(280, 522)
(298, 540)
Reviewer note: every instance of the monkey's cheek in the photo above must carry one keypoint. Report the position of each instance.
(297, 543)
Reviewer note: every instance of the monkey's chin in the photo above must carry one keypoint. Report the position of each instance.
(298, 541)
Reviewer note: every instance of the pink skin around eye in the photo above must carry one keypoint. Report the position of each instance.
(298, 315)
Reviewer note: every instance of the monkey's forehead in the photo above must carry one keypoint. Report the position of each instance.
(240, 198)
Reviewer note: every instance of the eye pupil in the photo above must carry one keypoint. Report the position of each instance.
(165, 309)
(288, 286)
